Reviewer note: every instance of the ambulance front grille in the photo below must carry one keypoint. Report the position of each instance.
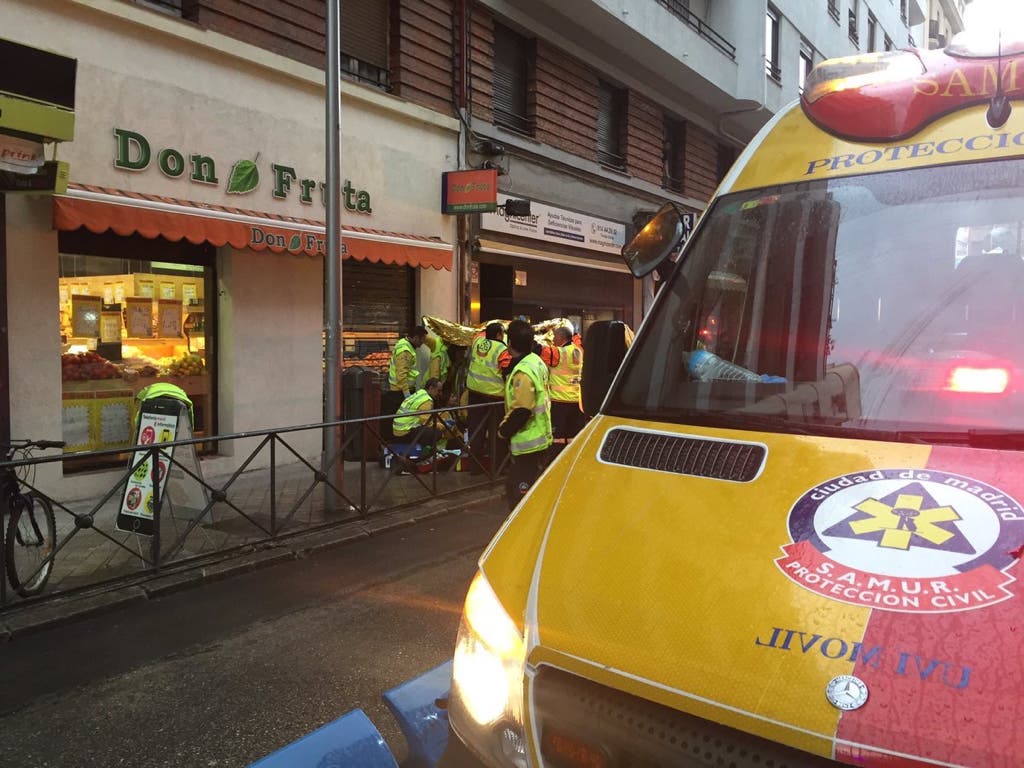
(719, 459)
(634, 732)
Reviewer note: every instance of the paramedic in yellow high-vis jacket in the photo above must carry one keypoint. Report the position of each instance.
(527, 422)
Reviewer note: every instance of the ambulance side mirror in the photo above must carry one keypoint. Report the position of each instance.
(603, 351)
(653, 244)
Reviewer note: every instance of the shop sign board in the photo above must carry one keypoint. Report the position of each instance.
(134, 152)
(469, 191)
(177, 491)
(558, 225)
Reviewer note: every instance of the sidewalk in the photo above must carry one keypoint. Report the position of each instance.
(97, 568)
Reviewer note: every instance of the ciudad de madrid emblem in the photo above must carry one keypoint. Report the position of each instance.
(908, 540)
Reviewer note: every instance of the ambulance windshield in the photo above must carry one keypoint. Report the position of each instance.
(888, 302)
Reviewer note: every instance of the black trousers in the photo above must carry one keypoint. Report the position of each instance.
(424, 436)
(481, 422)
(525, 470)
(566, 419)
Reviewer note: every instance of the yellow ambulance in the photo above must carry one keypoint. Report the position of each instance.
(790, 535)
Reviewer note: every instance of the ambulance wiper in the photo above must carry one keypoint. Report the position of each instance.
(1006, 439)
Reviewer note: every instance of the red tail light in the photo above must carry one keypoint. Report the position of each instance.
(990, 381)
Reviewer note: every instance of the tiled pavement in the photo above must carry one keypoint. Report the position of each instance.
(246, 516)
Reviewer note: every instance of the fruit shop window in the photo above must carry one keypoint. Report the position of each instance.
(126, 323)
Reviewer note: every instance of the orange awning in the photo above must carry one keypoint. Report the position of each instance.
(99, 210)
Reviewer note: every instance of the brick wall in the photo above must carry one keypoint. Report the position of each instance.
(566, 102)
(422, 40)
(292, 28)
(701, 175)
(481, 65)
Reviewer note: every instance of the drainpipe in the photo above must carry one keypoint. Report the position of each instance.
(463, 254)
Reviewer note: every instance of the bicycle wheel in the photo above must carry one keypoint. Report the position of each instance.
(31, 539)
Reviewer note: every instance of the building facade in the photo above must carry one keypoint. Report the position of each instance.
(189, 244)
(189, 241)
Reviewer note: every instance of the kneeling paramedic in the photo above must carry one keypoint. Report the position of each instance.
(527, 422)
(413, 422)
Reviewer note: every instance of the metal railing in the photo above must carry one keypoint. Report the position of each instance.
(681, 11)
(281, 487)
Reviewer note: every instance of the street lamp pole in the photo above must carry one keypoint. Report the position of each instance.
(332, 258)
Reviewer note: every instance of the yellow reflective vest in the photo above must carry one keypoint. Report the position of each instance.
(404, 346)
(439, 360)
(483, 375)
(565, 377)
(408, 416)
(536, 434)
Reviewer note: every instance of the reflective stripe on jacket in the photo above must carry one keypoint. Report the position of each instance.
(565, 377)
(483, 375)
(408, 417)
(536, 434)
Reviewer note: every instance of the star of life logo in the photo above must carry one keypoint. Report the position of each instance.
(908, 540)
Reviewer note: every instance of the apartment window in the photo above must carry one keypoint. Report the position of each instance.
(806, 63)
(903, 10)
(852, 24)
(513, 62)
(364, 41)
(186, 9)
(611, 112)
(887, 43)
(872, 32)
(771, 44)
(833, 9)
(674, 155)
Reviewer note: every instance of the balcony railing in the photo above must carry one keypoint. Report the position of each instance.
(681, 11)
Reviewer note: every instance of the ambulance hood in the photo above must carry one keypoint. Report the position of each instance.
(733, 575)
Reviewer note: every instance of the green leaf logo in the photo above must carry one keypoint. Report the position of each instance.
(295, 243)
(245, 177)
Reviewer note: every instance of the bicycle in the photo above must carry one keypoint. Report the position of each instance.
(31, 527)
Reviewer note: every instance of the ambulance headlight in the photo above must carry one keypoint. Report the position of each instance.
(486, 705)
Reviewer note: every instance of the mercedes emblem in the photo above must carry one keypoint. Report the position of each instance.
(846, 692)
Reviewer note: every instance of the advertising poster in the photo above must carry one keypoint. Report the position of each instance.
(140, 317)
(170, 318)
(138, 502)
(558, 225)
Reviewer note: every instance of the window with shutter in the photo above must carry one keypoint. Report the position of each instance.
(513, 59)
(610, 117)
(674, 154)
(771, 44)
(364, 41)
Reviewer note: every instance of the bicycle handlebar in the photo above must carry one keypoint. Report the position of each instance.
(16, 445)
(44, 444)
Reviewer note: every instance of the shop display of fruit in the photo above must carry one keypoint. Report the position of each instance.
(87, 366)
(377, 360)
(186, 365)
